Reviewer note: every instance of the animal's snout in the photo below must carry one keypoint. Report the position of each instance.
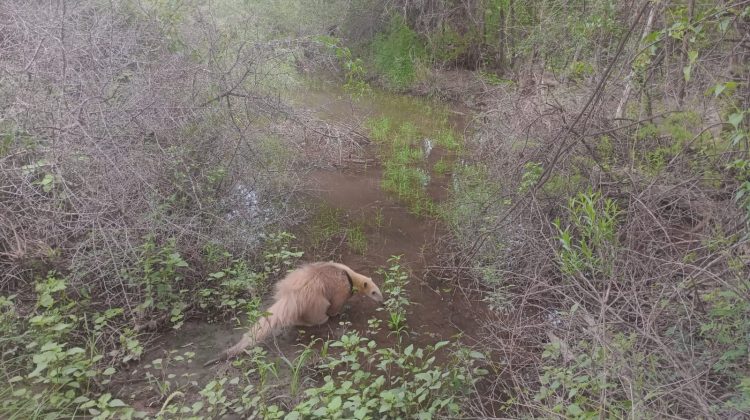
(376, 296)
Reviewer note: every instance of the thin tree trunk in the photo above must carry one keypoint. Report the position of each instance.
(629, 84)
(500, 57)
(508, 27)
(684, 57)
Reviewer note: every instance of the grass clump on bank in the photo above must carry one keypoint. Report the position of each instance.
(330, 225)
(402, 150)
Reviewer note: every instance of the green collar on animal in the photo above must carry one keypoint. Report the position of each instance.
(351, 283)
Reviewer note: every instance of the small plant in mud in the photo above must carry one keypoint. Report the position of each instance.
(442, 167)
(160, 276)
(356, 239)
(394, 286)
(159, 376)
(279, 255)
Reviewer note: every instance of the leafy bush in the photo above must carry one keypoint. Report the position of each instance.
(397, 53)
(589, 248)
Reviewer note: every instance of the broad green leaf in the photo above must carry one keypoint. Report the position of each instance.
(692, 56)
(735, 119)
(335, 404)
(686, 71)
(117, 403)
(574, 410)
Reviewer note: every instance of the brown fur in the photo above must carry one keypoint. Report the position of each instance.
(307, 296)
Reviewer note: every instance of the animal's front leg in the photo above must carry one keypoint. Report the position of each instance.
(316, 314)
(335, 308)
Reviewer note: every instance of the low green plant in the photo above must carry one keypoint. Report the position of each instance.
(441, 167)
(573, 388)
(495, 80)
(160, 277)
(589, 244)
(378, 219)
(325, 224)
(161, 380)
(364, 381)
(52, 372)
(395, 280)
(726, 331)
(279, 255)
(579, 70)
(356, 239)
(532, 171)
(354, 68)
(379, 128)
(447, 139)
(231, 289)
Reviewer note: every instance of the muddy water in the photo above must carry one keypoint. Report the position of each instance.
(438, 312)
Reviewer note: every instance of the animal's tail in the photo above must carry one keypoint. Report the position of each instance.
(283, 313)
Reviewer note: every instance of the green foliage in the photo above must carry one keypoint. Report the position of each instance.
(394, 288)
(324, 225)
(588, 246)
(447, 45)
(379, 128)
(52, 373)
(397, 53)
(354, 68)
(564, 184)
(329, 223)
(160, 277)
(231, 289)
(579, 70)
(658, 143)
(532, 171)
(572, 388)
(742, 196)
(726, 334)
(279, 256)
(442, 167)
(356, 239)
(447, 139)
(494, 80)
(405, 171)
(364, 381)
